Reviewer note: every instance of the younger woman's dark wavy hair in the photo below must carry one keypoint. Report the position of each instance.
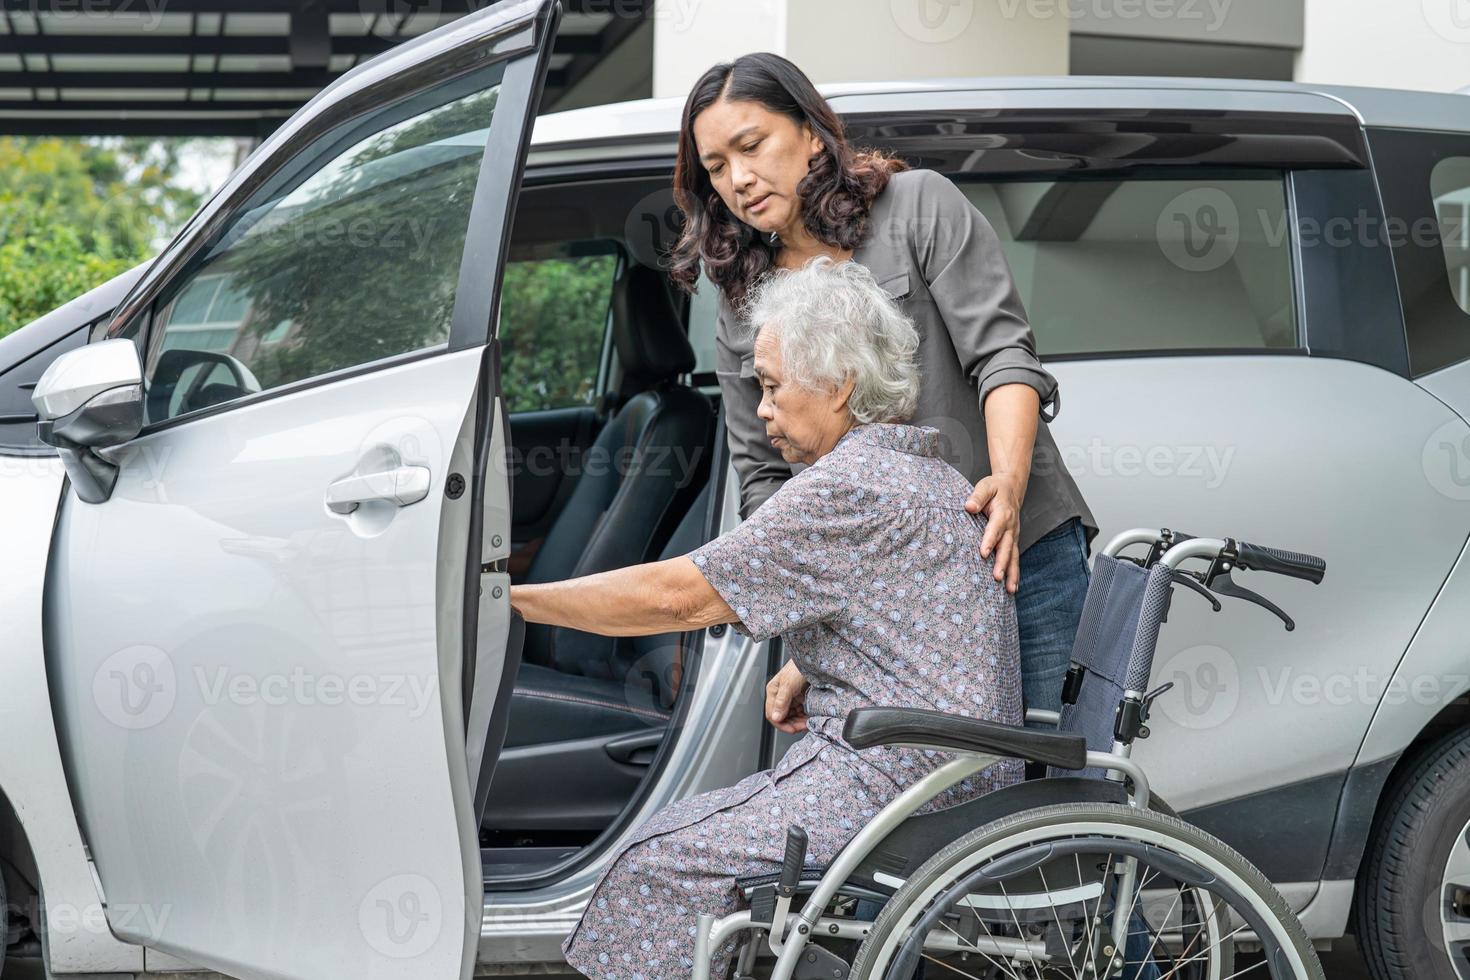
(836, 194)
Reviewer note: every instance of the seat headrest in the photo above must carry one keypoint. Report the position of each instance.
(647, 332)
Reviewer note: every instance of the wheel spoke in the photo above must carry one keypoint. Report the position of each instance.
(1001, 964)
(1061, 931)
(1457, 868)
(1456, 931)
(1148, 957)
(1188, 934)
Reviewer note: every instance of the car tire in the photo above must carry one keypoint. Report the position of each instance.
(1402, 886)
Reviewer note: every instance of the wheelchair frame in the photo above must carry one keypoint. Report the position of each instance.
(789, 935)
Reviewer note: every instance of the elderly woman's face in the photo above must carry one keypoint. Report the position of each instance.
(803, 424)
(755, 158)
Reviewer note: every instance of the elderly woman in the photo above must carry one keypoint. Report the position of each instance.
(868, 564)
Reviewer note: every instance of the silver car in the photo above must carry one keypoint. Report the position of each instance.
(268, 712)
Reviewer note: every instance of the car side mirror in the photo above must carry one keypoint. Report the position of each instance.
(90, 399)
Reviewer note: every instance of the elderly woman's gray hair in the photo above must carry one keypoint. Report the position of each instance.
(835, 322)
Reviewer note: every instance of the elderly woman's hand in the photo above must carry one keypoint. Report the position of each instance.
(786, 699)
(999, 499)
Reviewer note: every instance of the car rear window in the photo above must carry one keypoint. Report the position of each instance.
(1137, 265)
(1449, 183)
(1425, 181)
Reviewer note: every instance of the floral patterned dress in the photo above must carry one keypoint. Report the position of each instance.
(868, 565)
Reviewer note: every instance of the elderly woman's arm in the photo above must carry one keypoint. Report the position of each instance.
(641, 600)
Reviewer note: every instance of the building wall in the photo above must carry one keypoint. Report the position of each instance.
(1395, 43)
(1418, 44)
(858, 40)
(844, 41)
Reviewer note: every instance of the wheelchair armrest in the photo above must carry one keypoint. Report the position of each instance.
(921, 726)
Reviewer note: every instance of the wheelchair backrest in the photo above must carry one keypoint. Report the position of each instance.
(1114, 649)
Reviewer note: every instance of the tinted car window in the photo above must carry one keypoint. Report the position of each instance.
(1147, 264)
(1449, 183)
(704, 308)
(351, 256)
(1131, 265)
(1425, 182)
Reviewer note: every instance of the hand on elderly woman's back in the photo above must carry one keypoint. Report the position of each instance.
(786, 699)
(999, 499)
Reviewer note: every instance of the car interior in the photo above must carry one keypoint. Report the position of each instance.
(610, 467)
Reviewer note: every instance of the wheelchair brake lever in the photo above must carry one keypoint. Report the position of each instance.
(1221, 582)
(1188, 578)
(1154, 695)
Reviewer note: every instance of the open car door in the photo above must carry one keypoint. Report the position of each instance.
(259, 609)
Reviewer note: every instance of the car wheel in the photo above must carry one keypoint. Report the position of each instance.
(1413, 894)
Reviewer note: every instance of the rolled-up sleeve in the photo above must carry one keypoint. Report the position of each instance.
(789, 565)
(971, 283)
(759, 466)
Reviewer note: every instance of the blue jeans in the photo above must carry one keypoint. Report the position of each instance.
(1054, 580)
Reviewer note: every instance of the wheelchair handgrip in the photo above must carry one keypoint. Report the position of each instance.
(792, 862)
(1293, 563)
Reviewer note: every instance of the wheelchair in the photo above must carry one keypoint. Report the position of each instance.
(1077, 873)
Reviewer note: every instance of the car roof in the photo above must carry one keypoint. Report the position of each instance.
(647, 119)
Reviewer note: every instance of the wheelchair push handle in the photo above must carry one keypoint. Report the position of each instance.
(1291, 563)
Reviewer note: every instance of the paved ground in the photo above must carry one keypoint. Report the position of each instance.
(1343, 963)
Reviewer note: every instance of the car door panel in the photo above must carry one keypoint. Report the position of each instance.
(1433, 674)
(232, 745)
(1296, 452)
(257, 645)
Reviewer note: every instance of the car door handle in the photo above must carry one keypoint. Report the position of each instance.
(400, 486)
(636, 749)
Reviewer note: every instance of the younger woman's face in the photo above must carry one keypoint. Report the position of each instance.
(755, 158)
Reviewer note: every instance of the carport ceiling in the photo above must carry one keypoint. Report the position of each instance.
(229, 67)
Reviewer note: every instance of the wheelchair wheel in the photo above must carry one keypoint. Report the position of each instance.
(1083, 891)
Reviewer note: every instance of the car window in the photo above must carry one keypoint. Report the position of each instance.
(349, 256)
(704, 308)
(1120, 265)
(1130, 265)
(1424, 178)
(1449, 183)
(553, 323)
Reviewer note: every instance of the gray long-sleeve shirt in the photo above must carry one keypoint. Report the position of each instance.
(941, 262)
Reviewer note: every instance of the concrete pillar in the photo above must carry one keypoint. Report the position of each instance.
(859, 40)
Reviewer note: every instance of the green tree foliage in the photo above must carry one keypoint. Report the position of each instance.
(74, 213)
(552, 320)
